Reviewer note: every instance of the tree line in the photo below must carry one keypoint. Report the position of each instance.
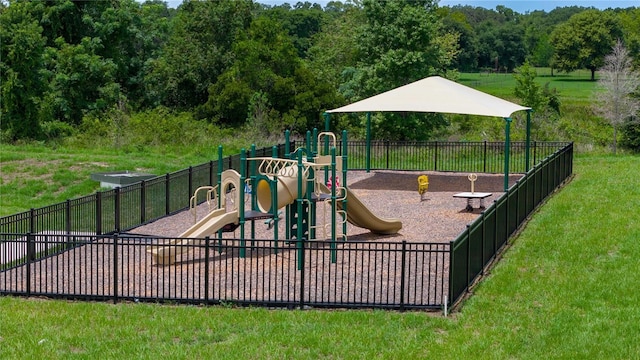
(277, 67)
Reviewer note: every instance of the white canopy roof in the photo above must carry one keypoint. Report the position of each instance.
(434, 95)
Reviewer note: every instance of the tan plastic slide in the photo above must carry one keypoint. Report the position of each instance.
(359, 215)
(214, 221)
(166, 254)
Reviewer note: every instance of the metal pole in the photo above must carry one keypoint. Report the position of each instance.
(344, 180)
(507, 145)
(240, 192)
(527, 145)
(334, 205)
(299, 202)
(220, 190)
(368, 150)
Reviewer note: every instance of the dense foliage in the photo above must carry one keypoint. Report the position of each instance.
(68, 65)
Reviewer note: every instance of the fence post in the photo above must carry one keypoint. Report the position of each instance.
(191, 184)
(435, 157)
(115, 267)
(32, 220)
(117, 210)
(452, 270)
(99, 213)
(167, 194)
(67, 223)
(495, 224)
(484, 157)
(31, 253)
(301, 268)
(386, 148)
(403, 264)
(143, 201)
(207, 245)
(67, 210)
(506, 221)
(466, 286)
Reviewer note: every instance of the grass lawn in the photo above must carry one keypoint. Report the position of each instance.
(34, 175)
(566, 289)
(574, 87)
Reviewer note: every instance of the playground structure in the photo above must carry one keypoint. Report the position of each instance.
(299, 182)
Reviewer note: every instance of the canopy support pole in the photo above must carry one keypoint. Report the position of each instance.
(527, 143)
(368, 150)
(507, 146)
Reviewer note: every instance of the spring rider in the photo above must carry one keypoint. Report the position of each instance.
(423, 186)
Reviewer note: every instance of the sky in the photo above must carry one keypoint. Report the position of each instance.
(520, 6)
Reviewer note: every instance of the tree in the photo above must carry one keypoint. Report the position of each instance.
(334, 49)
(618, 83)
(543, 101)
(22, 86)
(398, 43)
(198, 51)
(79, 80)
(456, 23)
(583, 41)
(267, 68)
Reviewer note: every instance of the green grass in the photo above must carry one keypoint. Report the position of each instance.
(564, 290)
(576, 121)
(36, 175)
(574, 87)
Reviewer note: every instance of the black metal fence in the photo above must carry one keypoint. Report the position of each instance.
(478, 246)
(478, 156)
(397, 275)
(124, 208)
(73, 250)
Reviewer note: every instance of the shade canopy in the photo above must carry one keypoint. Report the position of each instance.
(434, 95)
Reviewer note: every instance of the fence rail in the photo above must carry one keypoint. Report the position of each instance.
(73, 250)
(478, 246)
(479, 156)
(111, 267)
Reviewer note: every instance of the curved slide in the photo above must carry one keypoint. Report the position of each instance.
(214, 221)
(220, 219)
(359, 215)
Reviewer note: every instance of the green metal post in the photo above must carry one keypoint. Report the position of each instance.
(507, 146)
(240, 190)
(220, 190)
(327, 121)
(219, 175)
(274, 202)
(334, 205)
(368, 150)
(314, 148)
(287, 209)
(287, 143)
(527, 144)
(254, 200)
(299, 204)
(344, 178)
